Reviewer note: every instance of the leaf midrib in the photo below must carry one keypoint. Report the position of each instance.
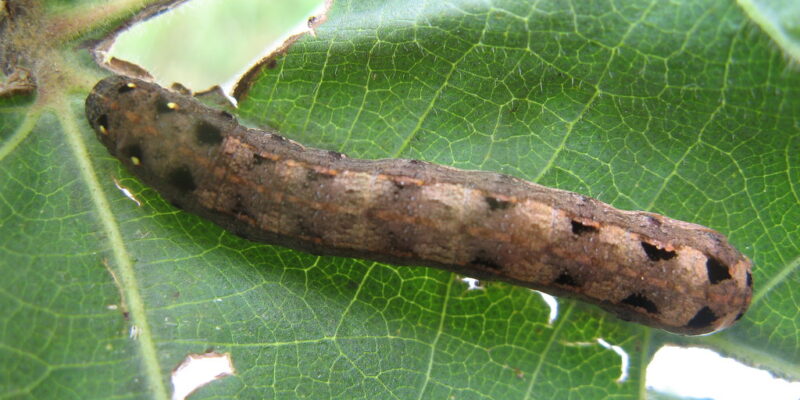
(121, 257)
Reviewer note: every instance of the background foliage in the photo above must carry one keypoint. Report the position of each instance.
(682, 108)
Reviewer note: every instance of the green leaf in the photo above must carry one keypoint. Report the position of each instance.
(685, 109)
(780, 20)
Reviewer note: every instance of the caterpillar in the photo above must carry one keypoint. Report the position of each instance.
(643, 267)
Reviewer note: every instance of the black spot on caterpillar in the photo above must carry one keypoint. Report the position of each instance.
(497, 204)
(483, 261)
(580, 228)
(656, 254)
(181, 178)
(718, 272)
(640, 300)
(644, 267)
(566, 279)
(207, 133)
(704, 318)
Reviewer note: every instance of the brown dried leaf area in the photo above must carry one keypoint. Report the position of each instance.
(28, 50)
(36, 56)
(644, 267)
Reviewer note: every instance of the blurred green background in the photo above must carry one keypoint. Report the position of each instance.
(203, 43)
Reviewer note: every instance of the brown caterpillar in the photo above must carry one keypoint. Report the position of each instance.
(644, 267)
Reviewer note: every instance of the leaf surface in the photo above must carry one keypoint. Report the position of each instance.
(682, 108)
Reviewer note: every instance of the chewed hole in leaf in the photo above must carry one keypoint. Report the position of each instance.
(194, 49)
(197, 370)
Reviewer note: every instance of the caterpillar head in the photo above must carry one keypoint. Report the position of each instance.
(153, 131)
